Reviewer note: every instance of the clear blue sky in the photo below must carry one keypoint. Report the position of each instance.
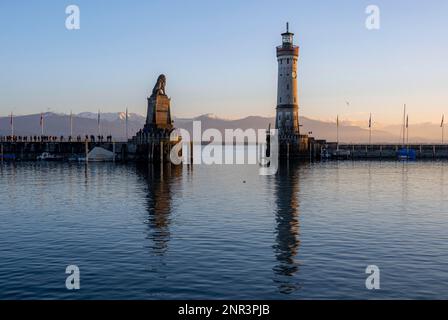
(219, 57)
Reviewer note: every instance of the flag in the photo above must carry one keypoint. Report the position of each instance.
(443, 121)
(99, 117)
(337, 121)
(41, 119)
(370, 121)
(11, 121)
(407, 122)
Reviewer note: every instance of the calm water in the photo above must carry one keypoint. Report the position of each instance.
(224, 231)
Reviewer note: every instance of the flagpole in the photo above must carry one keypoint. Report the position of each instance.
(407, 130)
(99, 119)
(71, 123)
(443, 128)
(41, 124)
(127, 137)
(404, 125)
(337, 133)
(12, 126)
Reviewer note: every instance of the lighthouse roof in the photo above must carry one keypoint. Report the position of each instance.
(287, 30)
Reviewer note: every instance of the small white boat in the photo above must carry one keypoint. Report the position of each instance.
(324, 154)
(46, 156)
(341, 154)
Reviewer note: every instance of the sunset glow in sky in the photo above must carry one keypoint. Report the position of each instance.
(219, 57)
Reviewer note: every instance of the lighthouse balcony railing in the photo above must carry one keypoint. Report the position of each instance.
(287, 47)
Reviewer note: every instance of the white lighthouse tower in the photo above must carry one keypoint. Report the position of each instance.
(287, 120)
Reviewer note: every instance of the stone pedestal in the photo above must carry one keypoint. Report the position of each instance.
(159, 113)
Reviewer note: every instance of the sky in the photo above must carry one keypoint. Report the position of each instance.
(219, 57)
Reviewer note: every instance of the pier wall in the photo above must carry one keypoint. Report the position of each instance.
(155, 151)
(384, 151)
(29, 151)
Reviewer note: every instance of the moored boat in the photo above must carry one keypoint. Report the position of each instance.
(46, 156)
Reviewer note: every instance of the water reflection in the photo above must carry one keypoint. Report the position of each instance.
(158, 190)
(287, 228)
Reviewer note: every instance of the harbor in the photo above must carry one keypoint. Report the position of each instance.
(220, 160)
(314, 150)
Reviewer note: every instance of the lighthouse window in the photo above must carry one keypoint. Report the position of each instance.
(287, 87)
(287, 61)
(280, 99)
(281, 61)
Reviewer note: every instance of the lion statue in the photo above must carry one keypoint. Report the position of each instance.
(159, 88)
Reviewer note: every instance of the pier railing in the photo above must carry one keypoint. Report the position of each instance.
(60, 139)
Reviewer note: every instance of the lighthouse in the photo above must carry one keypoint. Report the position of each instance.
(287, 117)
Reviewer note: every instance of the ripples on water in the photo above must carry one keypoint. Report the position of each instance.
(223, 231)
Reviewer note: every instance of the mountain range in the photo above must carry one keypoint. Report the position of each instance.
(114, 123)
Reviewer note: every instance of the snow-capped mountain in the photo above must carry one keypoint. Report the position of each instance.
(112, 116)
